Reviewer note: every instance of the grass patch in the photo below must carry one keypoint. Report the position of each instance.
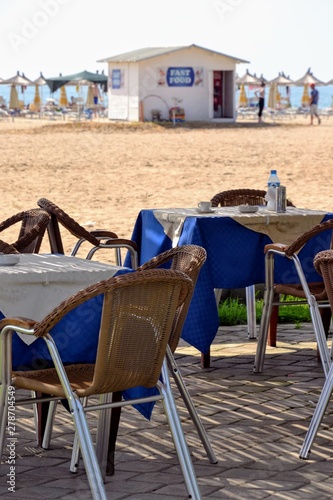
(233, 312)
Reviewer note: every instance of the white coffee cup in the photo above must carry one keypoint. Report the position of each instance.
(205, 206)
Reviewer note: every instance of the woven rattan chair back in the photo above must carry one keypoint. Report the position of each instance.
(97, 238)
(235, 197)
(275, 292)
(138, 314)
(60, 216)
(188, 259)
(33, 226)
(137, 319)
(323, 263)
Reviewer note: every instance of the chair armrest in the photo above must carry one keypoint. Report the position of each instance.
(24, 323)
(278, 247)
(301, 240)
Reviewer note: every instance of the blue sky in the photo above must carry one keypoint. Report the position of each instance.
(68, 36)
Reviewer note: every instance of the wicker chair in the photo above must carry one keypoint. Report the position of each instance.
(98, 238)
(314, 294)
(188, 259)
(136, 305)
(323, 263)
(235, 197)
(33, 226)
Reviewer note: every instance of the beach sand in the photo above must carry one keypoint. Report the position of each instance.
(103, 174)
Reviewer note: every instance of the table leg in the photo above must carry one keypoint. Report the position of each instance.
(115, 419)
(251, 311)
(205, 359)
(42, 412)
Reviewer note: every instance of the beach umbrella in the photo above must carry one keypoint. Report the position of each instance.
(277, 97)
(305, 96)
(14, 102)
(63, 101)
(249, 79)
(282, 79)
(40, 80)
(17, 80)
(272, 96)
(242, 97)
(90, 98)
(37, 99)
(309, 78)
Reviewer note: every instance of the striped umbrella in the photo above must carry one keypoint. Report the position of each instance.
(63, 101)
(37, 99)
(272, 96)
(90, 98)
(242, 97)
(14, 102)
(305, 96)
(277, 97)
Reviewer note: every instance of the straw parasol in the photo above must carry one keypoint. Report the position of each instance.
(242, 97)
(14, 102)
(272, 96)
(305, 96)
(63, 101)
(249, 79)
(309, 78)
(90, 98)
(282, 79)
(37, 99)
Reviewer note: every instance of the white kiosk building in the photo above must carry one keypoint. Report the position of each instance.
(172, 83)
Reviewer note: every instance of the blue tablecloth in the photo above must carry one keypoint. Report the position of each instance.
(76, 337)
(235, 259)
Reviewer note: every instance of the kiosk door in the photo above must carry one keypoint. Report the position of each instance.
(217, 93)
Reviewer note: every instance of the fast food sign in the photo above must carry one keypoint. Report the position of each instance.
(180, 77)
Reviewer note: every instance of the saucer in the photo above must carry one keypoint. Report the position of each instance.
(248, 209)
(210, 211)
(9, 259)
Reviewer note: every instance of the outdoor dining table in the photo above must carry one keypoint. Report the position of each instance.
(235, 243)
(33, 287)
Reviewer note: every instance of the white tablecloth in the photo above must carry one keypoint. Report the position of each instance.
(38, 283)
(280, 227)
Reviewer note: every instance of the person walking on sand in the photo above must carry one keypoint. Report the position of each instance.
(314, 98)
(261, 94)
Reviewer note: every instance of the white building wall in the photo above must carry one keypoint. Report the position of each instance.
(124, 101)
(140, 87)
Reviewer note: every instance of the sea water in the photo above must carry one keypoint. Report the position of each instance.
(296, 93)
(27, 95)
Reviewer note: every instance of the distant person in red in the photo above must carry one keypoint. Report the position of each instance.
(314, 98)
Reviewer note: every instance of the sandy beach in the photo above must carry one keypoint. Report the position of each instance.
(104, 173)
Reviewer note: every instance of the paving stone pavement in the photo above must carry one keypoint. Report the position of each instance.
(256, 424)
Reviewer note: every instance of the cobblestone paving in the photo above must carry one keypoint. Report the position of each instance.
(256, 423)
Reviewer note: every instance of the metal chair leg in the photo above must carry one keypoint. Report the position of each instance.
(178, 436)
(49, 424)
(172, 365)
(318, 415)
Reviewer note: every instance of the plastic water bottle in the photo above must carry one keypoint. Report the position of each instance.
(273, 180)
(272, 184)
